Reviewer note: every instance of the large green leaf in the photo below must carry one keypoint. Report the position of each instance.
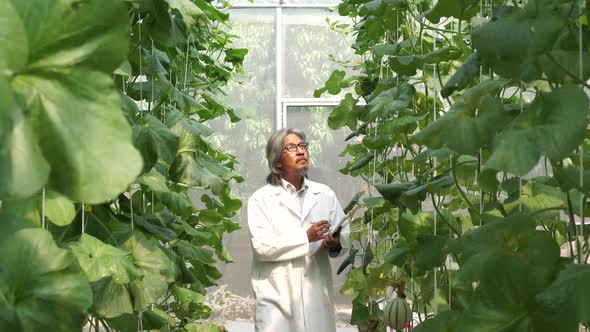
(461, 9)
(200, 170)
(409, 64)
(390, 101)
(154, 140)
(187, 301)
(82, 133)
(112, 298)
(505, 300)
(514, 236)
(471, 122)
(567, 293)
(23, 170)
(463, 76)
(15, 57)
(100, 260)
(41, 285)
(91, 34)
(70, 100)
(442, 322)
(59, 209)
(189, 11)
(344, 114)
(511, 44)
(431, 251)
(157, 268)
(536, 196)
(154, 180)
(554, 125)
(151, 319)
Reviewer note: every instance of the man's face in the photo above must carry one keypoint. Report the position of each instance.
(296, 161)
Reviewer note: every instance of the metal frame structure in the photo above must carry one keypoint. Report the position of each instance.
(282, 103)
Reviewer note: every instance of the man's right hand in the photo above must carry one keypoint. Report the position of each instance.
(318, 230)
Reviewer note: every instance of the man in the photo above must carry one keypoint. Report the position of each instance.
(289, 221)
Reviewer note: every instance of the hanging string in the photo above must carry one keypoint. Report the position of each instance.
(139, 22)
(140, 321)
(581, 75)
(83, 221)
(186, 64)
(520, 177)
(131, 207)
(435, 95)
(480, 153)
(43, 209)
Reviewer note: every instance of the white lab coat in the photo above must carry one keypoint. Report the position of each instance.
(293, 288)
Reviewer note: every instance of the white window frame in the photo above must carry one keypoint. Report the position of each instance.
(281, 102)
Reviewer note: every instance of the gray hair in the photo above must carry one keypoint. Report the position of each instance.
(274, 152)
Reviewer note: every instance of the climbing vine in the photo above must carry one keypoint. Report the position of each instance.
(103, 151)
(472, 117)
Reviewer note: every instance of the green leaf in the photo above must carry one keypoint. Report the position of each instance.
(59, 209)
(187, 301)
(554, 125)
(430, 251)
(43, 289)
(514, 236)
(154, 180)
(154, 140)
(471, 123)
(461, 9)
(569, 177)
(512, 43)
(79, 122)
(567, 294)
(344, 114)
(399, 254)
(23, 169)
(505, 300)
(92, 34)
(204, 327)
(177, 202)
(463, 76)
(536, 196)
(408, 64)
(390, 101)
(158, 224)
(332, 84)
(194, 253)
(200, 170)
(151, 319)
(70, 100)
(100, 260)
(13, 56)
(235, 55)
(445, 321)
(157, 268)
(189, 11)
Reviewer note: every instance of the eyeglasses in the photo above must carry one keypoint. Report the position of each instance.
(292, 148)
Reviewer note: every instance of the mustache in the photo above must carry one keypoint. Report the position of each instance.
(302, 158)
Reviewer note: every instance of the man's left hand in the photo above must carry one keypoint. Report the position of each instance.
(332, 241)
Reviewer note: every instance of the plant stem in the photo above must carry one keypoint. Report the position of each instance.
(443, 217)
(570, 213)
(565, 70)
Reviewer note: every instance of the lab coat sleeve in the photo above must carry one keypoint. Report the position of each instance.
(269, 246)
(345, 232)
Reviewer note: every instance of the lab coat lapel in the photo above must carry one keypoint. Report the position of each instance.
(310, 200)
(286, 200)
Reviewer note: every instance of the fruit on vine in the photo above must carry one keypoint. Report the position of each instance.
(397, 314)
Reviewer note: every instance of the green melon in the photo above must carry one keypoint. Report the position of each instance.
(397, 314)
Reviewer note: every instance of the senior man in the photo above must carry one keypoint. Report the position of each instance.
(293, 224)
